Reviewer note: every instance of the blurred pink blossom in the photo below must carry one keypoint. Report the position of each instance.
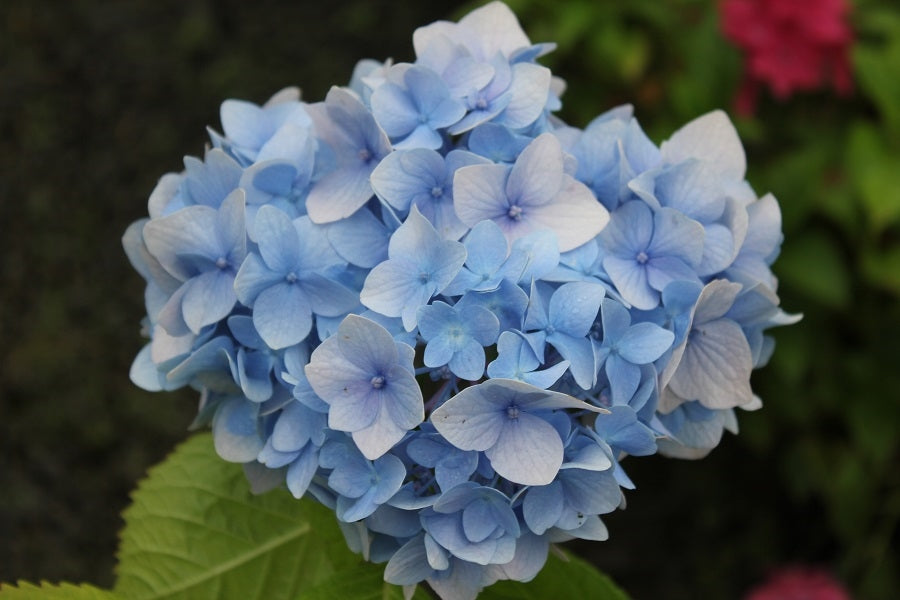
(789, 45)
(799, 583)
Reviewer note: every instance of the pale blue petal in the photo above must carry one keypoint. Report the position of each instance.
(580, 355)
(282, 315)
(479, 193)
(252, 278)
(591, 492)
(536, 177)
(529, 88)
(208, 299)
(543, 506)
(278, 242)
(360, 239)
(711, 137)
(468, 361)
(237, 432)
(339, 194)
(528, 451)
(574, 215)
(574, 307)
(676, 235)
(643, 343)
(379, 437)
(630, 279)
(715, 368)
(391, 286)
(394, 109)
(408, 175)
(254, 369)
(624, 378)
(300, 473)
(718, 249)
(366, 344)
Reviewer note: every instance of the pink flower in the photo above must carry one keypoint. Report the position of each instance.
(789, 45)
(799, 583)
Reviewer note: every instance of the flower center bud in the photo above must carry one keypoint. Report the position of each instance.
(365, 155)
(437, 192)
(221, 262)
(514, 212)
(642, 257)
(377, 382)
(291, 277)
(512, 411)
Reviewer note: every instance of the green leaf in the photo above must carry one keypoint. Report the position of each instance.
(567, 577)
(195, 531)
(365, 582)
(48, 591)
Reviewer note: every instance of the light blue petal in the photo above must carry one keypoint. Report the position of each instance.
(528, 451)
(574, 215)
(252, 278)
(536, 176)
(529, 89)
(543, 506)
(208, 299)
(574, 307)
(254, 369)
(277, 238)
(468, 361)
(715, 368)
(630, 279)
(391, 286)
(710, 137)
(591, 492)
(624, 378)
(282, 315)
(189, 231)
(408, 175)
(379, 437)
(339, 194)
(360, 239)
(580, 355)
(643, 343)
(479, 193)
(237, 432)
(300, 473)
(394, 109)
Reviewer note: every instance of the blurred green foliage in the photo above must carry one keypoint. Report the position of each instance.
(98, 99)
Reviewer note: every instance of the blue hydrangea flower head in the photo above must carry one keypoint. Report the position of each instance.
(436, 308)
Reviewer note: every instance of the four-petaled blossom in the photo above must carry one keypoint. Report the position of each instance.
(367, 380)
(419, 265)
(626, 346)
(456, 337)
(508, 421)
(287, 281)
(203, 248)
(532, 195)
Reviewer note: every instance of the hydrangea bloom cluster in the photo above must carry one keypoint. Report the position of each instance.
(434, 307)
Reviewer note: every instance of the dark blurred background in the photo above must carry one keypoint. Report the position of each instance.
(99, 99)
